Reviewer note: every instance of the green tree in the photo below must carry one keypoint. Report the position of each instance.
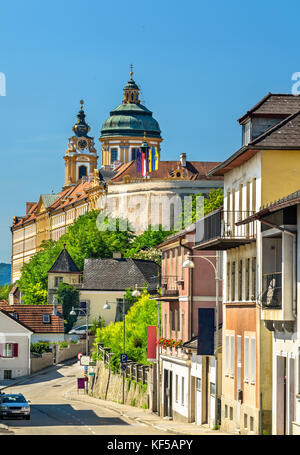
(68, 297)
(35, 295)
(4, 291)
(200, 206)
(83, 240)
(142, 314)
(143, 245)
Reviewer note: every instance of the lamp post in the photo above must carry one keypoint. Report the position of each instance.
(86, 311)
(189, 264)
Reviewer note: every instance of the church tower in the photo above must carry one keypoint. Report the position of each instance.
(123, 132)
(81, 155)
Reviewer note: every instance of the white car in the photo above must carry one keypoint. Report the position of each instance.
(79, 330)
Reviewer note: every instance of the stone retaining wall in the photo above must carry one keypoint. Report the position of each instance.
(109, 386)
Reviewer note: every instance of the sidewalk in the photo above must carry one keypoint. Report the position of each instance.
(146, 417)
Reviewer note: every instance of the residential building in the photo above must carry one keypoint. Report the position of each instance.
(106, 280)
(14, 347)
(39, 319)
(270, 154)
(102, 281)
(279, 279)
(183, 292)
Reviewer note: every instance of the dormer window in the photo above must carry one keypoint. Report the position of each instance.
(15, 315)
(46, 319)
(246, 133)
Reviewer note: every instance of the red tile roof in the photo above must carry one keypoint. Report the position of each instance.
(32, 317)
(194, 170)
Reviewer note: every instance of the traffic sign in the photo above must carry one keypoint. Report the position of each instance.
(123, 358)
(85, 368)
(79, 355)
(123, 366)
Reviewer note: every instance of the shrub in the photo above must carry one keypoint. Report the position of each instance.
(39, 348)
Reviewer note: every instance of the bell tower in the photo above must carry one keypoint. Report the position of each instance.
(81, 155)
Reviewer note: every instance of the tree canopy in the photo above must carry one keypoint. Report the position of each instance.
(141, 314)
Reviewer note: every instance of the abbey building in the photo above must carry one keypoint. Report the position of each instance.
(129, 128)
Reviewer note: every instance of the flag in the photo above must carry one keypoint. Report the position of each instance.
(150, 160)
(154, 160)
(144, 165)
(138, 160)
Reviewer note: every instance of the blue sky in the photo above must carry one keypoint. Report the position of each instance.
(200, 65)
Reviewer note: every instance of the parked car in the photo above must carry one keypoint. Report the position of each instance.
(80, 330)
(14, 405)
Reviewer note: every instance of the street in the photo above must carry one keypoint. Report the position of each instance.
(54, 414)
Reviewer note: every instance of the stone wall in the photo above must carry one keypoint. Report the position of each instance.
(70, 352)
(41, 362)
(109, 386)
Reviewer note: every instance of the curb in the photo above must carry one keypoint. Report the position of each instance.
(135, 419)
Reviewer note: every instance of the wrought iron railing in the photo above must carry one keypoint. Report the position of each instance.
(223, 224)
(272, 290)
(169, 285)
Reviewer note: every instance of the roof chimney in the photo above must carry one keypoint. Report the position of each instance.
(117, 255)
(183, 159)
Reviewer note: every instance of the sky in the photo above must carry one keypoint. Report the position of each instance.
(200, 65)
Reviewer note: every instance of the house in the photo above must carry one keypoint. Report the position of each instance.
(106, 280)
(279, 279)
(264, 169)
(183, 292)
(14, 347)
(44, 326)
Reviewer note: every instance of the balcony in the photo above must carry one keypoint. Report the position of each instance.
(272, 291)
(169, 286)
(218, 230)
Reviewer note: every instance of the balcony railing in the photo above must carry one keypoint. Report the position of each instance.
(169, 285)
(272, 290)
(218, 230)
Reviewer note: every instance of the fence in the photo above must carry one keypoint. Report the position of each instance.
(136, 371)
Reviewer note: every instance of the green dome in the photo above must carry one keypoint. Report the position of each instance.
(130, 119)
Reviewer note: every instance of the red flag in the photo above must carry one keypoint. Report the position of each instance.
(151, 343)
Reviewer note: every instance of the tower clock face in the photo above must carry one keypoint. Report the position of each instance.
(82, 144)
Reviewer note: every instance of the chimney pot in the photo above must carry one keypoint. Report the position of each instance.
(183, 159)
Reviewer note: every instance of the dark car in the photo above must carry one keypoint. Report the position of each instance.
(14, 405)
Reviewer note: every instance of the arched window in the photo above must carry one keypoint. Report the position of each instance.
(82, 172)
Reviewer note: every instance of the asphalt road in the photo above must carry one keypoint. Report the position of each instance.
(52, 414)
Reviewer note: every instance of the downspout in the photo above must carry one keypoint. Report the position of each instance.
(294, 235)
(190, 291)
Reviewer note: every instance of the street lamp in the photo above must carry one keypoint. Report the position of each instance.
(86, 312)
(189, 264)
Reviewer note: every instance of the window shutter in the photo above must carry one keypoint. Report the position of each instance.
(226, 354)
(1, 349)
(246, 359)
(15, 350)
(252, 360)
(232, 356)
